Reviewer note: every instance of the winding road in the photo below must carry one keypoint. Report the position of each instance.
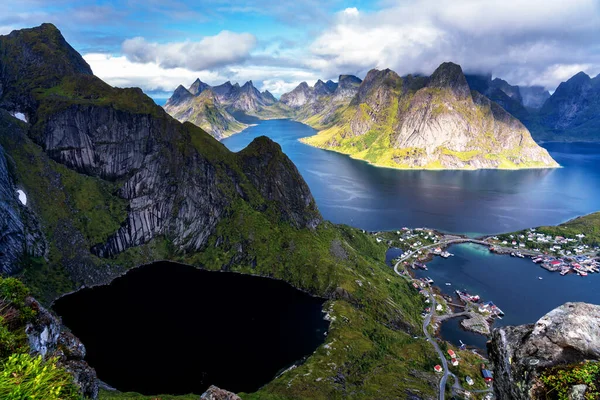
(427, 320)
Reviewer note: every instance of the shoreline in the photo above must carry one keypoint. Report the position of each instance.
(303, 141)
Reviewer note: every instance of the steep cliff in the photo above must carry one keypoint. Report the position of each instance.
(20, 232)
(435, 122)
(529, 360)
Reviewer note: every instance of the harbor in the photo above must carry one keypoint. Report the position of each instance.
(511, 283)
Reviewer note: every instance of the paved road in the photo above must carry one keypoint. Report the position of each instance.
(426, 322)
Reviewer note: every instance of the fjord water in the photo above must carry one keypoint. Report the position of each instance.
(472, 202)
(153, 332)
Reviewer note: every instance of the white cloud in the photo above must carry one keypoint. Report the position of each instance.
(530, 42)
(151, 77)
(211, 52)
(119, 71)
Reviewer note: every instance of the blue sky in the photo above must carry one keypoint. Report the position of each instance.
(277, 44)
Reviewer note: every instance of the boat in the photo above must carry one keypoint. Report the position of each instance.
(429, 280)
(465, 296)
(512, 254)
(564, 271)
(540, 278)
(448, 284)
(520, 255)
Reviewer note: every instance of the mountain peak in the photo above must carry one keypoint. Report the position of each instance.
(179, 96)
(198, 87)
(450, 75)
(27, 55)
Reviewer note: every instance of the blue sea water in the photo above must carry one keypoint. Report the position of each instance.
(472, 202)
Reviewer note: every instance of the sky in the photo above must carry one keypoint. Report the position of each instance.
(158, 45)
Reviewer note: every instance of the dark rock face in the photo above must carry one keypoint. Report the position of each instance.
(47, 338)
(277, 179)
(450, 76)
(170, 193)
(20, 233)
(214, 393)
(566, 335)
(501, 92)
(180, 96)
(574, 104)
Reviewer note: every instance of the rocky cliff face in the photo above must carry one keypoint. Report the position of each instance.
(521, 354)
(297, 97)
(435, 122)
(20, 232)
(214, 393)
(571, 113)
(318, 105)
(48, 338)
(274, 174)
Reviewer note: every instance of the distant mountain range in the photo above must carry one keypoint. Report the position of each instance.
(448, 120)
(210, 107)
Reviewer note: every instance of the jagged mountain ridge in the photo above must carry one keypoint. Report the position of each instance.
(204, 110)
(428, 122)
(210, 107)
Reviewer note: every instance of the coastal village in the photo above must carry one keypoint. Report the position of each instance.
(554, 253)
(566, 254)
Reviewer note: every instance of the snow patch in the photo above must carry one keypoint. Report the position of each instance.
(20, 116)
(22, 197)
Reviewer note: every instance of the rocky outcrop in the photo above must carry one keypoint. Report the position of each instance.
(566, 335)
(47, 338)
(214, 393)
(297, 97)
(277, 179)
(197, 87)
(20, 232)
(179, 97)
